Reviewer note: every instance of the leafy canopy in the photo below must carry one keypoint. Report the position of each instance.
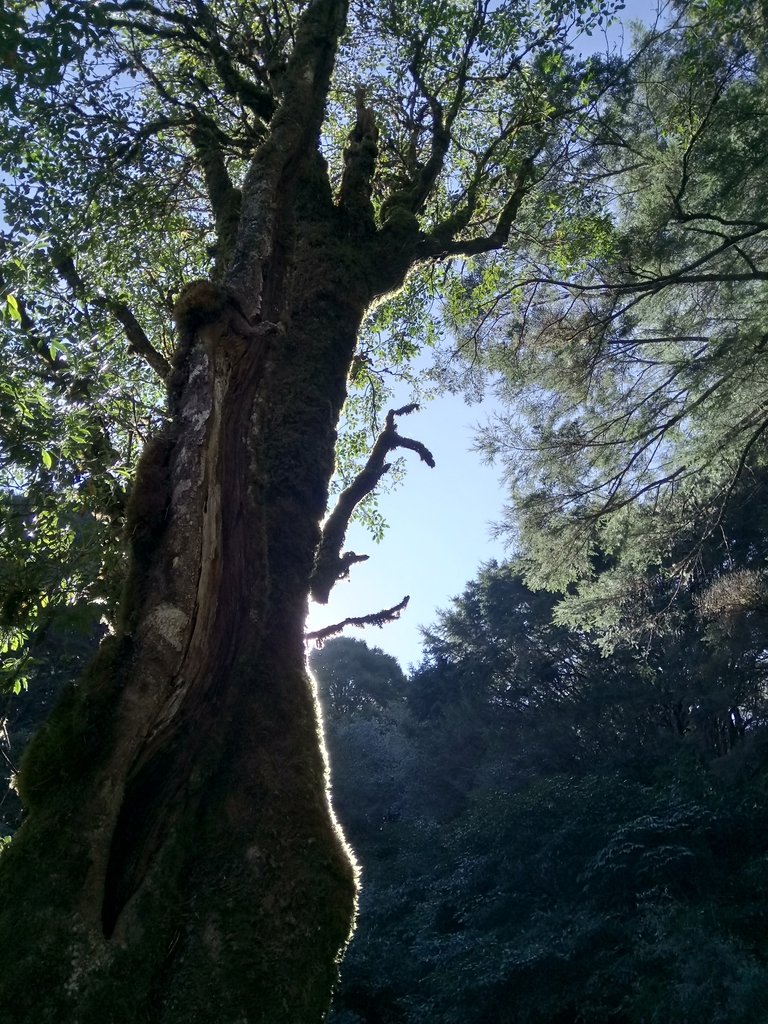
(130, 126)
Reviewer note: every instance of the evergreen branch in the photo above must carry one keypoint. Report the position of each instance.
(331, 565)
(187, 27)
(736, 477)
(644, 288)
(375, 619)
(726, 222)
(682, 276)
(414, 197)
(443, 120)
(208, 141)
(64, 266)
(685, 167)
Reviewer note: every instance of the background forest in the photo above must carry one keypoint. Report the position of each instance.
(549, 835)
(562, 813)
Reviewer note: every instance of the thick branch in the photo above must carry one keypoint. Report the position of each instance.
(255, 97)
(223, 196)
(375, 619)
(330, 564)
(187, 33)
(360, 163)
(294, 129)
(138, 342)
(442, 119)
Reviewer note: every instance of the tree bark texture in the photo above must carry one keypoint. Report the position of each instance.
(180, 862)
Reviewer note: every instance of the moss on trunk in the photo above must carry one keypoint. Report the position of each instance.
(180, 862)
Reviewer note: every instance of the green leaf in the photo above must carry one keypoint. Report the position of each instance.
(56, 348)
(12, 305)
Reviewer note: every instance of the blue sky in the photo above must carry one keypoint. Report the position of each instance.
(439, 519)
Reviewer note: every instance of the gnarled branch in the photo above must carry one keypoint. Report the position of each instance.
(360, 163)
(331, 565)
(271, 176)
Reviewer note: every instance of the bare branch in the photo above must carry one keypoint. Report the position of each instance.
(375, 619)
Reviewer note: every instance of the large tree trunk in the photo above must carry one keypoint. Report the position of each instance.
(181, 862)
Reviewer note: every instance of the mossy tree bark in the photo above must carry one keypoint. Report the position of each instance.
(179, 816)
